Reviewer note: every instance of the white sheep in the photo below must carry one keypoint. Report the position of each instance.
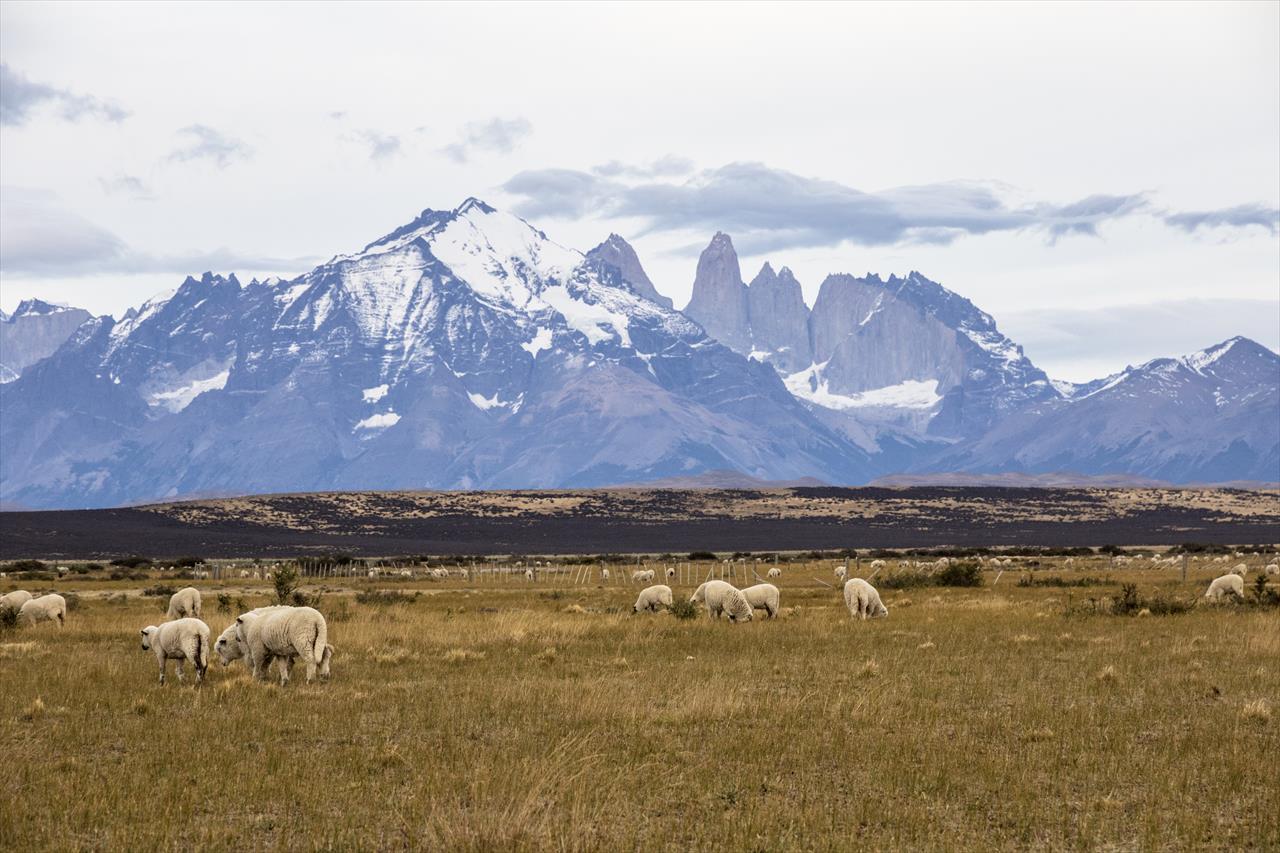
(723, 597)
(14, 600)
(46, 608)
(604, 574)
(863, 600)
(1241, 569)
(228, 646)
(763, 596)
(775, 572)
(299, 632)
(184, 602)
(653, 597)
(877, 564)
(642, 576)
(244, 573)
(440, 574)
(671, 572)
(841, 573)
(1231, 584)
(372, 573)
(182, 640)
(1273, 569)
(528, 575)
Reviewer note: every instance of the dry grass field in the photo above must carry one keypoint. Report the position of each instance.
(533, 716)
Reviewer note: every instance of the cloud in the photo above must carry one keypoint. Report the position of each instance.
(382, 146)
(495, 135)
(40, 238)
(20, 97)
(127, 185)
(671, 165)
(768, 209)
(205, 143)
(1086, 343)
(1240, 216)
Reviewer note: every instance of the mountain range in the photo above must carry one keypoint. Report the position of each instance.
(467, 349)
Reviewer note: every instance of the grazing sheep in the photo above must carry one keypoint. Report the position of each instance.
(763, 596)
(528, 575)
(862, 600)
(642, 576)
(184, 602)
(1224, 586)
(671, 572)
(1241, 569)
(46, 608)
(775, 572)
(604, 574)
(877, 564)
(1273, 569)
(182, 640)
(228, 645)
(286, 635)
(440, 574)
(372, 573)
(841, 573)
(244, 573)
(653, 597)
(723, 597)
(14, 600)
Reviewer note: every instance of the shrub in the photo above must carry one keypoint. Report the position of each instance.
(35, 576)
(694, 556)
(224, 603)
(385, 597)
(301, 599)
(286, 581)
(8, 620)
(159, 589)
(73, 601)
(963, 573)
(683, 608)
(187, 562)
(131, 562)
(1058, 581)
(905, 580)
(26, 566)
(127, 575)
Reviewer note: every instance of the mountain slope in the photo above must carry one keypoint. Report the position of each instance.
(619, 253)
(34, 331)
(1210, 416)
(465, 349)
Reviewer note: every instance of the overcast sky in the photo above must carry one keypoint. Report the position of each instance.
(1104, 179)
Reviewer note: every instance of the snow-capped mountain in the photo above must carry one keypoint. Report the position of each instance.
(34, 330)
(903, 355)
(1210, 416)
(465, 349)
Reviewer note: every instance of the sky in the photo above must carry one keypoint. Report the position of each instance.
(1103, 179)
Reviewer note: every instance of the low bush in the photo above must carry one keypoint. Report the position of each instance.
(131, 562)
(25, 566)
(960, 573)
(683, 608)
(1059, 581)
(159, 590)
(695, 556)
(383, 597)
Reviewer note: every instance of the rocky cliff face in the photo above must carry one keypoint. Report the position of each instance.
(33, 332)
(719, 300)
(620, 254)
(779, 320)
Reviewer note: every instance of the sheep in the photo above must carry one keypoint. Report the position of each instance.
(1241, 569)
(841, 573)
(1272, 569)
(653, 597)
(723, 597)
(863, 600)
(877, 564)
(763, 596)
(440, 574)
(228, 646)
(604, 574)
(775, 572)
(372, 573)
(182, 640)
(406, 573)
(642, 576)
(184, 602)
(51, 608)
(14, 600)
(1224, 586)
(244, 573)
(285, 634)
(671, 572)
(528, 575)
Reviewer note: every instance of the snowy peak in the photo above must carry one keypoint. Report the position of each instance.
(33, 332)
(39, 308)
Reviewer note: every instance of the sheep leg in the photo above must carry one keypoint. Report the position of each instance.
(286, 664)
(180, 666)
(162, 667)
(311, 667)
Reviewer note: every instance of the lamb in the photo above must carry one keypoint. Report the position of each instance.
(763, 596)
(14, 600)
(862, 600)
(182, 640)
(285, 634)
(50, 608)
(722, 597)
(841, 573)
(1224, 586)
(653, 597)
(775, 572)
(184, 602)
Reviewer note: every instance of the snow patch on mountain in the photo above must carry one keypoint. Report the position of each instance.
(810, 385)
(376, 393)
(378, 422)
(541, 340)
(591, 319)
(177, 399)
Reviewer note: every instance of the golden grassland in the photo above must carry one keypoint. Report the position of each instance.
(522, 716)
